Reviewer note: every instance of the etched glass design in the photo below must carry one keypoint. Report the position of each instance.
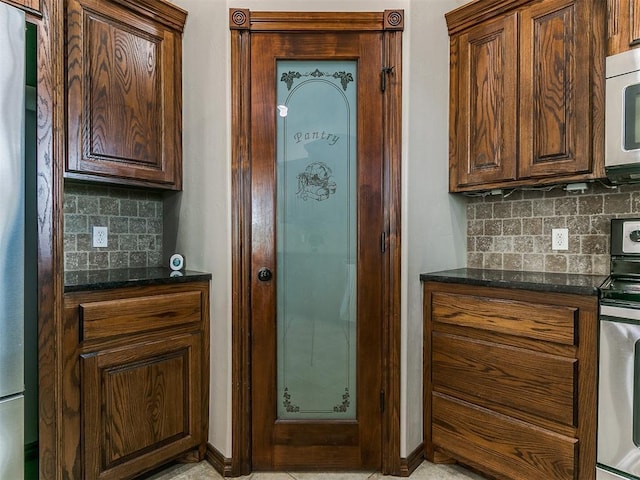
(316, 239)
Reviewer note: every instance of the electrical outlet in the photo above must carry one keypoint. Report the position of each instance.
(100, 236)
(560, 239)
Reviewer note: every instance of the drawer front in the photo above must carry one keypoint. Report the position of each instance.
(540, 384)
(552, 323)
(139, 315)
(498, 444)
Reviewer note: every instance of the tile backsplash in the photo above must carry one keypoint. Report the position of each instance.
(134, 222)
(510, 231)
(513, 231)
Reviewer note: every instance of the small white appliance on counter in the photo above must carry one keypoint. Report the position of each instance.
(12, 223)
(618, 449)
(622, 117)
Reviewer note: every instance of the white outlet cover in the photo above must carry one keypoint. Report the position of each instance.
(100, 237)
(560, 239)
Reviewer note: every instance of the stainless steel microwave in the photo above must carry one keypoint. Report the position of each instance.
(622, 117)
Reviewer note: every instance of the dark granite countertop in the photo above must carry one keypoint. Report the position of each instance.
(539, 281)
(84, 280)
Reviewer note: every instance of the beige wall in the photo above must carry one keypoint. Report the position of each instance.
(198, 223)
(434, 225)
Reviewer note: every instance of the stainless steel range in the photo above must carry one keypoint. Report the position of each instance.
(618, 454)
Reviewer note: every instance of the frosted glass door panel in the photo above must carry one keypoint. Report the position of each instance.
(316, 239)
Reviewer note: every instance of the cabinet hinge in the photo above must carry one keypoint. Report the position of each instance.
(382, 401)
(383, 77)
(383, 242)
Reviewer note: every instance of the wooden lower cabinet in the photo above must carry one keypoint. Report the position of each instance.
(136, 380)
(510, 381)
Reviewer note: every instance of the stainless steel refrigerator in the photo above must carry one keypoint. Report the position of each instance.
(12, 223)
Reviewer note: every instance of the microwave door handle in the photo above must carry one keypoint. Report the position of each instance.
(635, 405)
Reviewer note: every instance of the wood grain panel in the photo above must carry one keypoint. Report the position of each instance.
(472, 14)
(487, 99)
(559, 106)
(309, 22)
(553, 85)
(49, 19)
(32, 6)
(487, 91)
(316, 458)
(111, 318)
(288, 433)
(623, 26)
(168, 14)
(124, 94)
(543, 385)
(552, 323)
(510, 449)
(506, 339)
(140, 403)
(634, 15)
(145, 404)
(613, 25)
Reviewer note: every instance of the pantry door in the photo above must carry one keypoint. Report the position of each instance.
(317, 250)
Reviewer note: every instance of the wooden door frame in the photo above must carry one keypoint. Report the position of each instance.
(243, 22)
(47, 16)
(50, 186)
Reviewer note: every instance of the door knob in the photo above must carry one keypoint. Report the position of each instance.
(264, 274)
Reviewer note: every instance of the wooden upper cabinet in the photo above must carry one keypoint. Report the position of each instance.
(527, 93)
(27, 5)
(623, 25)
(486, 137)
(554, 106)
(124, 92)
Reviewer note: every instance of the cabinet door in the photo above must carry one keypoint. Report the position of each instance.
(623, 25)
(124, 96)
(141, 405)
(555, 106)
(485, 117)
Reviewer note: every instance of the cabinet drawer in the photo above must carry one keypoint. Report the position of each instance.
(527, 381)
(499, 444)
(112, 318)
(552, 323)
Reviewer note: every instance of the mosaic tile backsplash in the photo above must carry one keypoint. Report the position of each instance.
(513, 231)
(134, 220)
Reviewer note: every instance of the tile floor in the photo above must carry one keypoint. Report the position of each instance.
(204, 471)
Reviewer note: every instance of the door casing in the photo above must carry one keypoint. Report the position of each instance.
(243, 23)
